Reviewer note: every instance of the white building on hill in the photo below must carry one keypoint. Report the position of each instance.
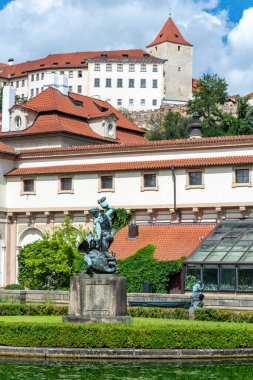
(132, 79)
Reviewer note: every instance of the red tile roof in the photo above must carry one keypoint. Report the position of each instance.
(172, 241)
(131, 166)
(6, 149)
(250, 94)
(169, 33)
(70, 60)
(66, 116)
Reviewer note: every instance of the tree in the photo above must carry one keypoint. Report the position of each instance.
(211, 94)
(48, 263)
(174, 126)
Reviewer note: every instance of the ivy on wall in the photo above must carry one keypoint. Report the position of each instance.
(142, 267)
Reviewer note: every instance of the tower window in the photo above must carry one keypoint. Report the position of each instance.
(178, 48)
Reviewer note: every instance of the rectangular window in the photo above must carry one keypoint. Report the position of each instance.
(108, 82)
(154, 102)
(23, 83)
(108, 67)
(143, 67)
(154, 83)
(143, 102)
(62, 72)
(97, 67)
(37, 91)
(178, 48)
(17, 84)
(96, 82)
(65, 185)
(131, 67)
(119, 102)
(80, 74)
(179, 68)
(32, 93)
(70, 88)
(195, 179)
(143, 83)
(149, 181)
(131, 102)
(155, 68)
(37, 76)
(28, 186)
(32, 78)
(120, 82)
(42, 76)
(120, 67)
(241, 177)
(106, 183)
(71, 74)
(131, 83)
(79, 89)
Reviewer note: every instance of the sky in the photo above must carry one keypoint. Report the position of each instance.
(220, 30)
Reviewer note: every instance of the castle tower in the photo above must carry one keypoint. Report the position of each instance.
(170, 44)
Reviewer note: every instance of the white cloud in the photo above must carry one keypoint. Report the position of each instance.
(32, 29)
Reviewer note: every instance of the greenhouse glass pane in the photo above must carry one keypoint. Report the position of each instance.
(208, 245)
(227, 278)
(241, 245)
(248, 235)
(210, 278)
(218, 235)
(225, 245)
(245, 278)
(248, 258)
(193, 274)
(215, 256)
(198, 255)
(233, 256)
(233, 234)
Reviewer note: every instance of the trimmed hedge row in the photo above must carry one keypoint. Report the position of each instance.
(157, 312)
(221, 315)
(125, 336)
(32, 309)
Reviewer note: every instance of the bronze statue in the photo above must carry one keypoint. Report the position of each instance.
(95, 248)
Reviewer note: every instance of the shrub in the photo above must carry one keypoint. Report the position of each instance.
(125, 336)
(30, 309)
(156, 312)
(143, 267)
(14, 287)
(220, 315)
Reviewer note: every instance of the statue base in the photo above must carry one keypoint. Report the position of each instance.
(98, 298)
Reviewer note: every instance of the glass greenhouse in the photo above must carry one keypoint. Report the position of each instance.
(224, 261)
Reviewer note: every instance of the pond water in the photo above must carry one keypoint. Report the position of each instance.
(16, 369)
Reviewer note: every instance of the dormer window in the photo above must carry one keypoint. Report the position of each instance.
(124, 55)
(176, 35)
(104, 55)
(18, 122)
(110, 130)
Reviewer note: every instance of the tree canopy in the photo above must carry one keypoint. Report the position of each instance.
(174, 126)
(48, 263)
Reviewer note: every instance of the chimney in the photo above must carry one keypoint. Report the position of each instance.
(195, 127)
(133, 231)
(7, 103)
(57, 81)
(10, 61)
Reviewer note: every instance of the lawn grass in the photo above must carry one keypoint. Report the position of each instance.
(137, 322)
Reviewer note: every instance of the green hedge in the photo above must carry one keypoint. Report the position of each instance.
(31, 309)
(157, 312)
(125, 336)
(220, 315)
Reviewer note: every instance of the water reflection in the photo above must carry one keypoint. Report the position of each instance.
(17, 369)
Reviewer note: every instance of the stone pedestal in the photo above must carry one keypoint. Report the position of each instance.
(100, 298)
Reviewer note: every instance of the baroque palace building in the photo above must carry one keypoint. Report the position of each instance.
(61, 151)
(132, 79)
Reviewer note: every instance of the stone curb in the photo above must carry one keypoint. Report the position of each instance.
(125, 353)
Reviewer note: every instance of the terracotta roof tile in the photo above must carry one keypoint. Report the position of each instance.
(131, 166)
(172, 241)
(169, 33)
(6, 149)
(70, 60)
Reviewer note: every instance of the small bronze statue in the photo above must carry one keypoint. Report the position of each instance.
(197, 296)
(95, 249)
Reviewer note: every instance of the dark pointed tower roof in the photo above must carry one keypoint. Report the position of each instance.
(169, 33)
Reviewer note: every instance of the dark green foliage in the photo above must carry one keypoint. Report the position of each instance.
(220, 315)
(49, 263)
(32, 309)
(143, 267)
(156, 312)
(174, 126)
(14, 287)
(125, 336)
(121, 217)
